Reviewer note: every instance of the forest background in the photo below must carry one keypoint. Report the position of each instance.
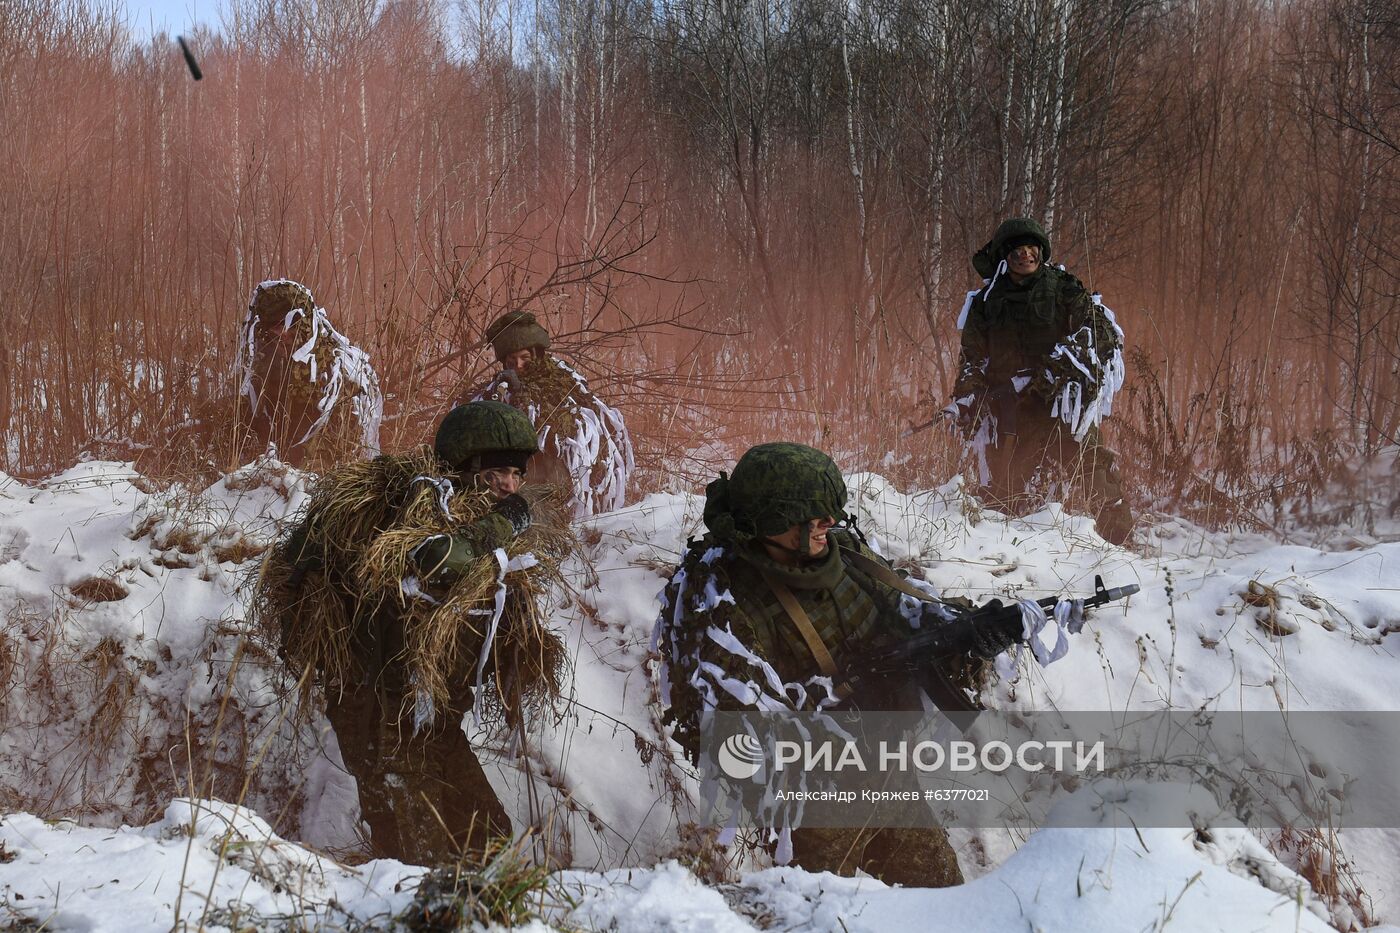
(744, 219)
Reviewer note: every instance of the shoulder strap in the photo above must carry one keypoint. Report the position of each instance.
(798, 615)
(885, 575)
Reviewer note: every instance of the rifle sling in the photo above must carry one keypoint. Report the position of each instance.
(887, 576)
(825, 662)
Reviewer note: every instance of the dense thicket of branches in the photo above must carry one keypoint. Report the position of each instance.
(702, 190)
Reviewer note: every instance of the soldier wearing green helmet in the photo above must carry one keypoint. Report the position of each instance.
(486, 444)
(423, 794)
(766, 611)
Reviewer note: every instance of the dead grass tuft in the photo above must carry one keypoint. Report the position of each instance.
(240, 550)
(1317, 855)
(698, 849)
(504, 888)
(99, 590)
(113, 686)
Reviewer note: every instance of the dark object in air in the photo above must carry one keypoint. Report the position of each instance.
(189, 58)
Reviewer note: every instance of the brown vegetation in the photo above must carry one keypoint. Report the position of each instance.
(742, 220)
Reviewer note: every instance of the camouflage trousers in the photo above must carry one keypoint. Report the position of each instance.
(897, 851)
(425, 798)
(1041, 455)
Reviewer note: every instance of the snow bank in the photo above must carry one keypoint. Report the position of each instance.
(219, 866)
(133, 596)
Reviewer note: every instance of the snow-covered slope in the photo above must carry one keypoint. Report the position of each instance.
(127, 680)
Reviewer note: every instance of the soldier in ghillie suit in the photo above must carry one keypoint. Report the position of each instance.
(407, 593)
(307, 390)
(1041, 361)
(766, 612)
(585, 447)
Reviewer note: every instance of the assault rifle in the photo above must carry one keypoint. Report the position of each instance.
(985, 630)
(981, 631)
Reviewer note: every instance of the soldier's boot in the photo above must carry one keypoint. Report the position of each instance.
(1114, 518)
(909, 856)
(912, 857)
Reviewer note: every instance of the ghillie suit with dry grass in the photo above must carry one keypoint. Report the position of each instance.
(305, 387)
(584, 444)
(401, 659)
(1042, 360)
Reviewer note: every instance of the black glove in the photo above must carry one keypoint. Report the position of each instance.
(516, 511)
(514, 386)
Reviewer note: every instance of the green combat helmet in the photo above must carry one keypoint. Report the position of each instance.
(478, 428)
(774, 486)
(516, 330)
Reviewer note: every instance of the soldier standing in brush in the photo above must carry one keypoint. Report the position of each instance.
(585, 447)
(1041, 361)
(307, 390)
(766, 611)
(388, 595)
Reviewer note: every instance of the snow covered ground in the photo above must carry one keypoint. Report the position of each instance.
(131, 699)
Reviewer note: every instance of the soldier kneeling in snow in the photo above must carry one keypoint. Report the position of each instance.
(407, 593)
(307, 390)
(768, 610)
(585, 447)
(1041, 362)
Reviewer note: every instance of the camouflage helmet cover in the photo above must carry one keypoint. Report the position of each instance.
(516, 330)
(773, 487)
(272, 300)
(475, 428)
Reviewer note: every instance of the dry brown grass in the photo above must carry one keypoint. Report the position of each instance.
(719, 296)
(1317, 855)
(99, 590)
(101, 730)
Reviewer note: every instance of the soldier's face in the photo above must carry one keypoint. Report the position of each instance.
(816, 528)
(1023, 260)
(502, 481)
(518, 359)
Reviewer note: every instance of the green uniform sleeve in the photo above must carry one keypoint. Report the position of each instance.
(976, 353)
(441, 559)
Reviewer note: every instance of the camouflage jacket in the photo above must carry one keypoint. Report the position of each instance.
(726, 643)
(1034, 339)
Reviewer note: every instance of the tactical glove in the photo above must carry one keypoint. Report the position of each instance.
(516, 511)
